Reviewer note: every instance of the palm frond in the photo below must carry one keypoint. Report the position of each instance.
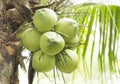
(99, 30)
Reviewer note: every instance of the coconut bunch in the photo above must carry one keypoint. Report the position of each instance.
(52, 41)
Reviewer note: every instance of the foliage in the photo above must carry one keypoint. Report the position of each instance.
(99, 30)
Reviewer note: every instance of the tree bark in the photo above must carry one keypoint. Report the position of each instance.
(11, 17)
(8, 57)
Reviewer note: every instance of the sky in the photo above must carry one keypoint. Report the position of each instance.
(117, 2)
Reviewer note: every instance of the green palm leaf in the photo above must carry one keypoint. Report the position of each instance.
(97, 21)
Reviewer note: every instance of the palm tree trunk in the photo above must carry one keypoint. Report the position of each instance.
(11, 17)
(9, 48)
(8, 58)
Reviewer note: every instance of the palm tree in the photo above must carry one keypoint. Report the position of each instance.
(98, 49)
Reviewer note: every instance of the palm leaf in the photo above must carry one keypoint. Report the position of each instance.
(106, 19)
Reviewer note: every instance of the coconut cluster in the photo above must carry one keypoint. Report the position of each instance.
(51, 40)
